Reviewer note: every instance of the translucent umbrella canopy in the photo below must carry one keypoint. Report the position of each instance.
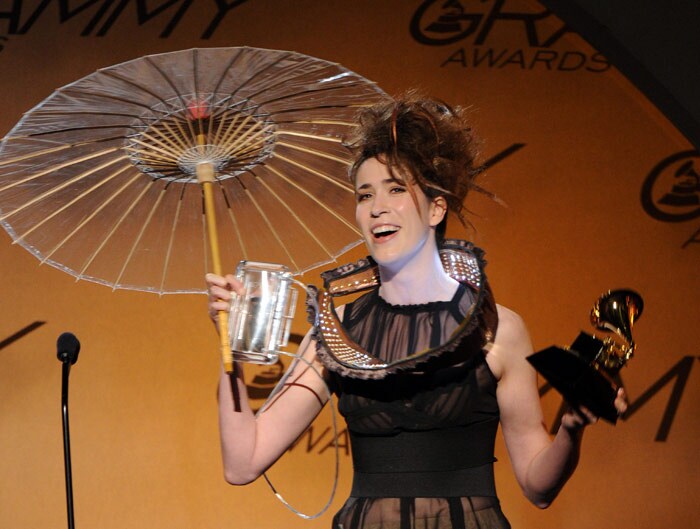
(99, 179)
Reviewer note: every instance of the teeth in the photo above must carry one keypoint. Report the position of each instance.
(384, 229)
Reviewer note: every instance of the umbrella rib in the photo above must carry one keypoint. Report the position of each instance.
(109, 235)
(317, 122)
(249, 151)
(140, 236)
(333, 139)
(193, 133)
(253, 134)
(220, 126)
(171, 240)
(60, 186)
(73, 129)
(151, 156)
(23, 157)
(247, 139)
(247, 154)
(197, 101)
(111, 73)
(226, 69)
(177, 93)
(255, 75)
(229, 134)
(236, 227)
(171, 135)
(210, 127)
(272, 228)
(320, 154)
(175, 176)
(166, 143)
(311, 91)
(96, 141)
(239, 147)
(176, 136)
(58, 167)
(222, 122)
(345, 187)
(68, 204)
(111, 97)
(286, 80)
(170, 152)
(42, 113)
(295, 216)
(183, 134)
(167, 79)
(169, 141)
(244, 157)
(316, 200)
(195, 74)
(88, 219)
(317, 107)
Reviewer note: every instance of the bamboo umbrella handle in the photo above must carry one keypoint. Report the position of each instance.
(205, 176)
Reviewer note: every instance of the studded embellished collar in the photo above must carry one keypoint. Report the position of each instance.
(340, 353)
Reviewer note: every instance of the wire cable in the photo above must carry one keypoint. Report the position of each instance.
(270, 399)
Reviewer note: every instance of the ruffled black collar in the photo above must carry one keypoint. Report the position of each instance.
(415, 308)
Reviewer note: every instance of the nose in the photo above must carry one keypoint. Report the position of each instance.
(379, 205)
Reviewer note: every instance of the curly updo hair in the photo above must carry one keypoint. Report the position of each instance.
(424, 139)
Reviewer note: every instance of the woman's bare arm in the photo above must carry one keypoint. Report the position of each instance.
(250, 444)
(541, 465)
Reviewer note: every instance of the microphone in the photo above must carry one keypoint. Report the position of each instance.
(68, 348)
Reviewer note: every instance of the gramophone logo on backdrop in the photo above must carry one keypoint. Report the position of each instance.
(671, 191)
(442, 23)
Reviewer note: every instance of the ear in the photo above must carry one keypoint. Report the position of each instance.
(438, 210)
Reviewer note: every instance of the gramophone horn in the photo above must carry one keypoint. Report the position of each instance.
(617, 311)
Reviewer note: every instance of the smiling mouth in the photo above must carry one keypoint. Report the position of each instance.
(381, 232)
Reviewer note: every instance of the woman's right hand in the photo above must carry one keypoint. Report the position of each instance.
(220, 291)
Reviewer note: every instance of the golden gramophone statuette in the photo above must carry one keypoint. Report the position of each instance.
(584, 373)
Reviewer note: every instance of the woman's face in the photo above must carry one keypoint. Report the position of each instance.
(394, 229)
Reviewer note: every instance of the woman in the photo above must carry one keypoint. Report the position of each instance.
(443, 364)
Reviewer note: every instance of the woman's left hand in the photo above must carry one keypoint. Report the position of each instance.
(577, 418)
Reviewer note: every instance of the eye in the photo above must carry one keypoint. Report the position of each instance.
(397, 189)
(360, 197)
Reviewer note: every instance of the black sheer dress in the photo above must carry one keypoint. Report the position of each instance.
(423, 437)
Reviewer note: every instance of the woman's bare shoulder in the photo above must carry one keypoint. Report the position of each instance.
(512, 343)
(512, 330)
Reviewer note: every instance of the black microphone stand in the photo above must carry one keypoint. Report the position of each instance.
(66, 443)
(68, 348)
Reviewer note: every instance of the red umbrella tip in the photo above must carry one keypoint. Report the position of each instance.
(197, 109)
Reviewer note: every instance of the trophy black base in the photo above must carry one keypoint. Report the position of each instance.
(571, 373)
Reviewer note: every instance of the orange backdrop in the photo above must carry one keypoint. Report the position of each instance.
(577, 143)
